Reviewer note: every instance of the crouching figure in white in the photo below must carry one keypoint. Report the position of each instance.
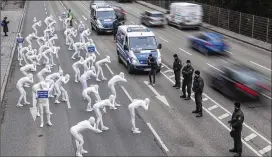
(98, 65)
(111, 84)
(52, 78)
(28, 67)
(76, 69)
(84, 35)
(75, 131)
(87, 75)
(99, 105)
(60, 90)
(41, 73)
(91, 89)
(44, 102)
(131, 107)
(20, 87)
(86, 62)
(29, 38)
(39, 23)
(77, 47)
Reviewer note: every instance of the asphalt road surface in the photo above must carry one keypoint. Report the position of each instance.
(168, 127)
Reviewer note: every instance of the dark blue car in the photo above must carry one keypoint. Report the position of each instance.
(208, 43)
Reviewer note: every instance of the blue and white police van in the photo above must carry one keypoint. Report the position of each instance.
(102, 18)
(134, 44)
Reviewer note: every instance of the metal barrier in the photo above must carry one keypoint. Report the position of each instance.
(256, 27)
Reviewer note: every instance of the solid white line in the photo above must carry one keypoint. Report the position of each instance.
(84, 17)
(266, 96)
(172, 76)
(223, 116)
(265, 150)
(75, 22)
(229, 52)
(125, 91)
(215, 68)
(205, 99)
(98, 53)
(46, 13)
(213, 107)
(45, 9)
(260, 66)
(68, 101)
(157, 137)
(152, 88)
(250, 137)
(169, 70)
(109, 69)
(163, 39)
(184, 51)
(61, 3)
(131, 22)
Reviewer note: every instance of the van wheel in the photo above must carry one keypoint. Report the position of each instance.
(130, 68)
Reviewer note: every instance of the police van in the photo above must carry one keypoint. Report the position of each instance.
(102, 18)
(134, 44)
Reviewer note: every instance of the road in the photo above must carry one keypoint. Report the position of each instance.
(166, 130)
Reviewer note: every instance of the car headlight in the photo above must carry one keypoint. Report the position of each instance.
(134, 60)
(99, 24)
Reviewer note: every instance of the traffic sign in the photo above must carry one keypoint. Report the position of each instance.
(91, 49)
(42, 94)
(63, 15)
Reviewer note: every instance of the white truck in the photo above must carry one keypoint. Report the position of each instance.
(185, 15)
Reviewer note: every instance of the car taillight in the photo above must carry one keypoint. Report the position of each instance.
(246, 89)
(208, 44)
(264, 86)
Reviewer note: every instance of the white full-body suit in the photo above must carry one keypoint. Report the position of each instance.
(56, 52)
(35, 58)
(86, 62)
(76, 129)
(87, 75)
(30, 55)
(112, 82)
(39, 23)
(47, 32)
(84, 35)
(99, 105)
(22, 55)
(41, 73)
(44, 103)
(77, 47)
(20, 41)
(20, 86)
(66, 22)
(48, 19)
(28, 67)
(52, 78)
(70, 39)
(51, 40)
(86, 45)
(29, 38)
(62, 19)
(134, 105)
(60, 90)
(66, 33)
(81, 27)
(51, 51)
(43, 47)
(91, 89)
(98, 65)
(41, 40)
(76, 69)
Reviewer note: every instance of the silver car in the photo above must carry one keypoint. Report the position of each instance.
(153, 18)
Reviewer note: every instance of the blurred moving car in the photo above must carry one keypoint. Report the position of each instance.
(120, 1)
(120, 13)
(153, 18)
(208, 43)
(239, 81)
(185, 15)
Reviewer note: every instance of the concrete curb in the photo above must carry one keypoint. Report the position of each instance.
(214, 30)
(19, 29)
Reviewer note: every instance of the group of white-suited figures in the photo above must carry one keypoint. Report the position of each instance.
(53, 82)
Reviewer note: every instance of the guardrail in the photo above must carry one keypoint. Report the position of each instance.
(256, 27)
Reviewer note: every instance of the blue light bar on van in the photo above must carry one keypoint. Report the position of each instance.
(138, 29)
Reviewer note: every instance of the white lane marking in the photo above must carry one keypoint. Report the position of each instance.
(162, 66)
(260, 65)
(75, 22)
(157, 137)
(62, 3)
(205, 99)
(185, 51)
(163, 39)
(223, 116)
(98, 53)
(84, 17)
(213, 107)
(229, 52)
(169, 70)
(265, 150)
(150, 87)
(215, 68)
(250, 137)
(45, 9)
(266, 96)
(109, 69)
(131, 22)
(252, 149)
(46, 13)
(68, 100)
(172, 76)
(125, 91)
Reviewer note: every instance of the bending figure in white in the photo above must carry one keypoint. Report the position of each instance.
(66, 33)
(76, 69)
(87, 64)
(47, 32)
(77, 47)
(76, 129)
(29, 38)
(48, 19)
(91, 89)
(70, 39)
(28, 67)
(87, 75)
(98, 65)
(22, 55)
(39, 23)
(60, 90)
(41, 73)
(52, 78)
(81, 27)
(20, 86)
(84, 35)
(51, 40)
(134, 105)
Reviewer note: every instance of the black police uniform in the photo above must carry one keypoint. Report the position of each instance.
(177, 65)
(187, 73)
(198, 86)
(115, 28)
(236, 123)
(153, 65)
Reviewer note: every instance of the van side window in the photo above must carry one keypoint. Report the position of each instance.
(126, 41)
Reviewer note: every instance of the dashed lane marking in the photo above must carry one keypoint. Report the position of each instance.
(223, 116)
(265, 150)
(157, 137)
(212, 107)
(109, 69)
(260, 65)
(75, 22)
(163, 39)
(185, 51)
(46, 13)
(126, 92)
(250, 137)
(215, 68)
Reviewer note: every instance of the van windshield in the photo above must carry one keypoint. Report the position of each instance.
(105, 14)
(156, 15)
(144, 43)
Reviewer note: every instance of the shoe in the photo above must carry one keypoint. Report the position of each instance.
(194, 111)
(177, 87)
(183, 96)
(232, 150)
(153, 84)
(188, 98)
(238, 155)
(174, 86)
(199, 115)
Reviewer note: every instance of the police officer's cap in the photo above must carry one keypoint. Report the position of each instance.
(197, 72)
(188, 61)
(175, 55)
(237, 104)
(150, 55)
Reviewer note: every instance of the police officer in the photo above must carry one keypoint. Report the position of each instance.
(70, 15)
(153, 65)
(187, 73)
(116, 24)
(198, 86)
(177, 65)
(236, 123)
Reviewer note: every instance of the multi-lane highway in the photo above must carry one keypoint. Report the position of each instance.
(168, 127)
